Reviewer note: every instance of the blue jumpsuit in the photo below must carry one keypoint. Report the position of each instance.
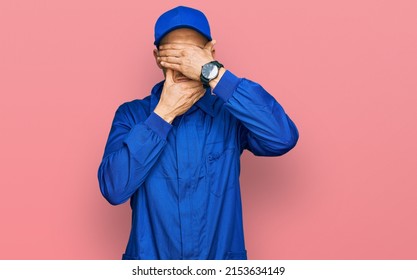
(182, 179)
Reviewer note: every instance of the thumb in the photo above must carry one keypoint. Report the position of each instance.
(210, 45)
(169, 75)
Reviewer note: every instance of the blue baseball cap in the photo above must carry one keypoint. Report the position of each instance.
(181, 17)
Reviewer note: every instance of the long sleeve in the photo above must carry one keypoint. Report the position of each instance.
(131, 152)
(266, 129)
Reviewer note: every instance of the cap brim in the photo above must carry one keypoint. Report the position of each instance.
(156, 43)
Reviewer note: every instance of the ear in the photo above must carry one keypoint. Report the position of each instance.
(155, 54)
(210, 46)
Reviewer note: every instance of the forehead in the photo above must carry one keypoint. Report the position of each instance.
(184, 36)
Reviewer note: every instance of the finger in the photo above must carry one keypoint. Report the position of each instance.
(170, 59)
(199, 91)
(191, 90)
(210, 45)
(171, 47)
(193, 85)
(178, 46)
(198, 95)
(171, 66)
(174, 53)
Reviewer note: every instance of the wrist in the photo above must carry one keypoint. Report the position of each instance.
(164, 114)
(214, 82)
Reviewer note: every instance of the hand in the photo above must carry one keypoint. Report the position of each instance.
(177, 98)
(185, 58)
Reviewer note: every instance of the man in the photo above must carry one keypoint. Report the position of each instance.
(176, 153)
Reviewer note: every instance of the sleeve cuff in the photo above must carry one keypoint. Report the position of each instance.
(226, 86)
(158, 125)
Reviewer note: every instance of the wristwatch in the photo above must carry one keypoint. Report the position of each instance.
(210, 71)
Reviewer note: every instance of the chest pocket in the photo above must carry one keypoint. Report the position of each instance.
(222, 171)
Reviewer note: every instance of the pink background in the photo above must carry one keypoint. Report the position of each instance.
(345, 71)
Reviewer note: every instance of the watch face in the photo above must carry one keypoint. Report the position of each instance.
(210, 71)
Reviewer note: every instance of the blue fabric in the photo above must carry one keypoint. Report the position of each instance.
(183, 179)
